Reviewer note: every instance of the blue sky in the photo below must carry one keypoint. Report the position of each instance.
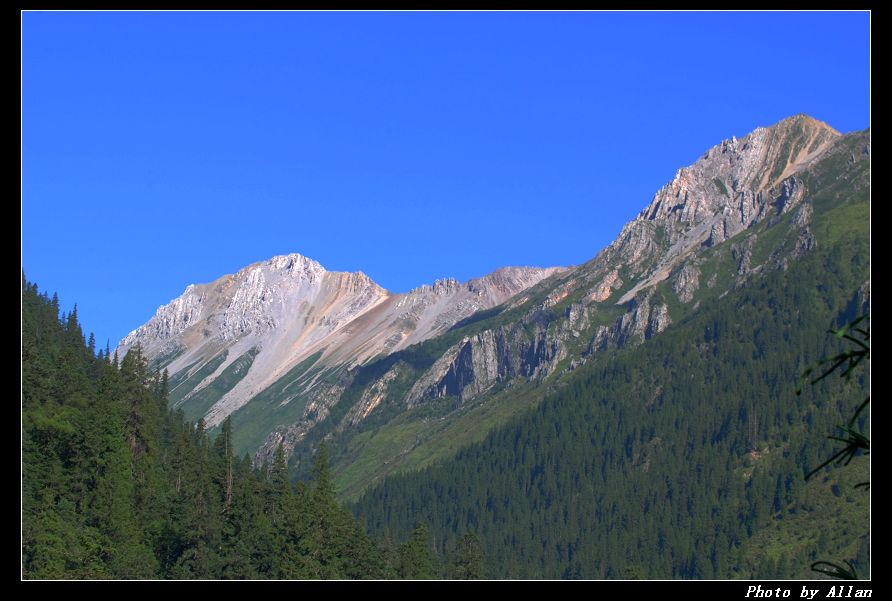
(163, 149)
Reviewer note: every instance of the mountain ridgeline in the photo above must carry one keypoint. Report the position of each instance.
(272, 343)
(632, 416)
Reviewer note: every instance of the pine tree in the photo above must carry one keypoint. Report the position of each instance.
(223, 450)
(416, 561)
(467, 563)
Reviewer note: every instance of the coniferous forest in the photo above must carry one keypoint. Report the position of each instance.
(115, 485)
(683, 458)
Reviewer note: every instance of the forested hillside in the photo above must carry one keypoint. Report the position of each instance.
(114, 485)
(681, 458)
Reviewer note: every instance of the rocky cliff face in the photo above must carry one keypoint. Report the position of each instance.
(733, 186)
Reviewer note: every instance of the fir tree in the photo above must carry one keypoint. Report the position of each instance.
(467, 563)
(416, 561)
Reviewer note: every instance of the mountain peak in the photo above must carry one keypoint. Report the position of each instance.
(438, 288)
(804, 121)
(759, 161)
(273, 314)
(293, 263)
(733, 185)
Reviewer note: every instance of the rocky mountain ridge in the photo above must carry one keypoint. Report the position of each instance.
(743, 207)
(289, 308)
(735, 185)
(321, 353)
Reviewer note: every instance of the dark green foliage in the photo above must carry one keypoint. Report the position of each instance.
(835, 570)
(856, 441)
(416, 556)
(665, 460)
(467, 559)
(115, 485)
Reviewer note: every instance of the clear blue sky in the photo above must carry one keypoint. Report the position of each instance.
(163, 149)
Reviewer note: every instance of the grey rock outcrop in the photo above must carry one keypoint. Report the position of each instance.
(686, 282)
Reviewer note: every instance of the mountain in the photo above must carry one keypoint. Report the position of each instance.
(227, 342)
(632, 416)
(666, 439)
(743, 210)
(396, 382)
